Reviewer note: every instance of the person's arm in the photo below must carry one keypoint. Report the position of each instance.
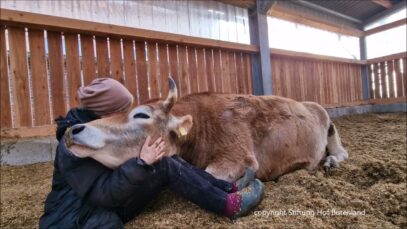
(111, 188)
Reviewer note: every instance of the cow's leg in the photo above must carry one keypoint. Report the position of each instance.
(336, 153)
(231, 171)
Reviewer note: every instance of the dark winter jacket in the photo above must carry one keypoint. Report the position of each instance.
(81, 185)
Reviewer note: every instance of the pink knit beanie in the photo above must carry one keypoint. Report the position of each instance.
(105, 96)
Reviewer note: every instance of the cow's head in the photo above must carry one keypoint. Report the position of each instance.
(113, 140)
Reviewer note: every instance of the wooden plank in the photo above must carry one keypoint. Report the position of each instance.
(202, 71)
(285, 13)
(193, 70)
(19, 76)
(73, 68)
(102, 56)
(376, 81)
(53, 23)
(142, 77)
(233, 73)
(5, 106)
(404, 77)
(218, 71)
(248, 68)
(88, 59)
(371, 72)
(383, 79)
(226, 72)
(210, 69)
(164, 69)
(183, 71)
(56, 63)
(388, 101)
(153, 71)
(116, 59)
(39, 78)
(386, 27)
(28, 132)
(388, 57)
(174, 66)
(130, 68)
(392, 85)
(241, 80)
(280, 52)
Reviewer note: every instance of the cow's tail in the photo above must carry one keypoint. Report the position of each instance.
(336, 152)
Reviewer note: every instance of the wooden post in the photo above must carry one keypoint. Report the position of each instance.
(261, 63)
(364, 69)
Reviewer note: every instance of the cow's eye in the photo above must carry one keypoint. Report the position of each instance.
(141, 115)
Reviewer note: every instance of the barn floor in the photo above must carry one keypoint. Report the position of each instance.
(373, 180)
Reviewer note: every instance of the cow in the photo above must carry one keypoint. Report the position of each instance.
(225, 134)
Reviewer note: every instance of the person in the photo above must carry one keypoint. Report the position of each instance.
(87, 194)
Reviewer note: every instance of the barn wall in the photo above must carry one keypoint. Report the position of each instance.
(209, 19)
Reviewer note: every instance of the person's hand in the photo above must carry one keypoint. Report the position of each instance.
(153, 153)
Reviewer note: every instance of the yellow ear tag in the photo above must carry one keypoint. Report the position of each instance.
(183, 131)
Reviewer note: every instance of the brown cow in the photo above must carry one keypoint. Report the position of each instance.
(221, 133)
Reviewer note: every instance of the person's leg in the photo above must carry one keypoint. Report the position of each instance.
(188, 183)
(224, 185)
(100, 218)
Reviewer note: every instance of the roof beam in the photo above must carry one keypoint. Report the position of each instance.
(385, 13)
(385, 3)
(263, 6)
(329, 11)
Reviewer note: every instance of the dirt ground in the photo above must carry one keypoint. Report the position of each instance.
(371, 184)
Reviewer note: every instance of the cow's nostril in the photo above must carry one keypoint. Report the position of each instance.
(77, 129)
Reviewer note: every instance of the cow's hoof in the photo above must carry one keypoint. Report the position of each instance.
(330, 165)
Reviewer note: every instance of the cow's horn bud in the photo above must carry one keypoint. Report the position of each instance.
(172, 95)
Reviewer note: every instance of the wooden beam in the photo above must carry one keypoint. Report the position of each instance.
(385, 3)
(28, 132)
(388, 57)
(396, 7)
(279, 11)
(281, 52)
(265, 5)
(52, 23)
(386, 27)
(240, 3)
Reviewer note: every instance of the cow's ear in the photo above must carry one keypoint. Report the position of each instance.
(184, 125)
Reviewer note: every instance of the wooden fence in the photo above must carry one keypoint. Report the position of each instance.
(388, 77)
(44, 60)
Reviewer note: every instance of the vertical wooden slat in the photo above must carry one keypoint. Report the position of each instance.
(210, 69)
(102, 57)
(130, 68)
(193, 73)
(383, 78)
(248, 68)
(56, 63)
(399, 77)
(88, 59)
(241, 81)
(391, 79)
(233, 73)
(73, 68)
(377, 83)
(116, 59)
(218, 70)
(174, 71)
(39, 78)
(164, 69)
(371, 72)
(202, 70)
(141, 66)
(183, 71)
(153, 70)
(226, 72)
(19, 73)
(5, 106)
(404, 76)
